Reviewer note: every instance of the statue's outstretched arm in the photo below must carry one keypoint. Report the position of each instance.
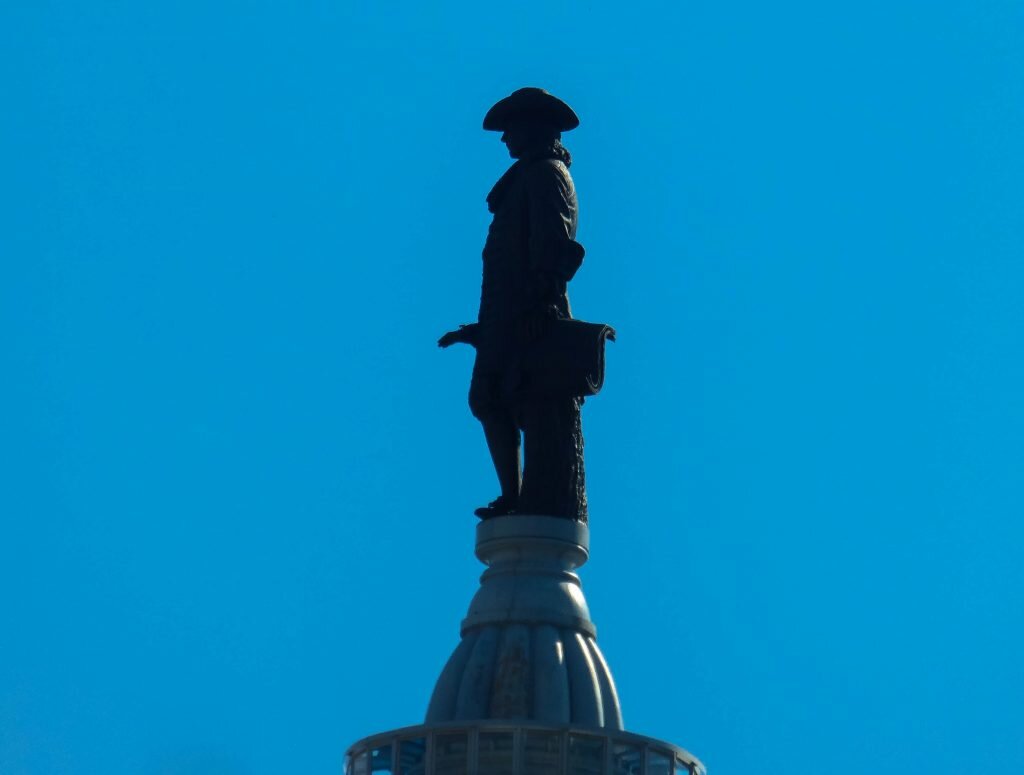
(466, 334)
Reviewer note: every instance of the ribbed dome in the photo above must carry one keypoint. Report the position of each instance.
(528, 649)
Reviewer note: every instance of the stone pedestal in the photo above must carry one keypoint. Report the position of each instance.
(528, 649)
(527, 690)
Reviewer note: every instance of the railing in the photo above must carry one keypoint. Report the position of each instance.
(497, 748)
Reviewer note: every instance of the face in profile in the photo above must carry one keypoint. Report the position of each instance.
(519, 138)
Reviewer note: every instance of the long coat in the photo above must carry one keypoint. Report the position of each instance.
(529, 256)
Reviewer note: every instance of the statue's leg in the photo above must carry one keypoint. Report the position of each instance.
(503, 442)
(500, 430)
(554, 483)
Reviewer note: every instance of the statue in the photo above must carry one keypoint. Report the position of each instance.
(534, 364)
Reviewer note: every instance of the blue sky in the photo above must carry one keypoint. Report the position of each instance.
(237, 477)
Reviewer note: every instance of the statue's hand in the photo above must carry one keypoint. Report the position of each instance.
(463, 334)
(448, 339)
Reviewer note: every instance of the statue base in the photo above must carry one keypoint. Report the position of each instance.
(529, 649)
(527, 690)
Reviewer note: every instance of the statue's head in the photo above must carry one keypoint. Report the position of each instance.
(529, 118)
(523, 137)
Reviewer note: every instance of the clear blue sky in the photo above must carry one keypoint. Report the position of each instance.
(237, 477)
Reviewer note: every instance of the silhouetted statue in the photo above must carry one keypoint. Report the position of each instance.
(534, 363)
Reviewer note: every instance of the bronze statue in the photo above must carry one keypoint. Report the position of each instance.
(534, 363)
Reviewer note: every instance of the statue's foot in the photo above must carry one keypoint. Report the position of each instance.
(502, 506)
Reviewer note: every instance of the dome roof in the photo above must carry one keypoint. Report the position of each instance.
(529, 649)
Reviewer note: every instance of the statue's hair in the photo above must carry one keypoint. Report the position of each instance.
(547, 143)
(561, 152)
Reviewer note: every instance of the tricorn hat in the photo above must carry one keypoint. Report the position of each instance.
(533, 105)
